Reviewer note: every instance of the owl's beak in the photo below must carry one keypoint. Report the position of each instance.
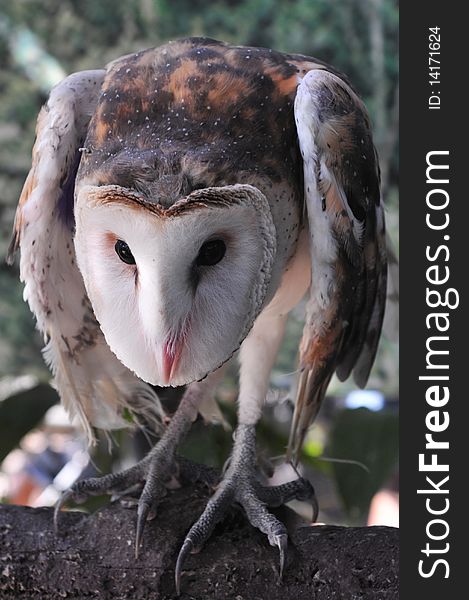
(171, 354)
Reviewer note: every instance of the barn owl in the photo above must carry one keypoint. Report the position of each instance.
(180, 203)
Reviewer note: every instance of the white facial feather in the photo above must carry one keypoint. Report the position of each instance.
(165, 300)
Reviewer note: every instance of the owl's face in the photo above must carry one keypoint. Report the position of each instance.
(175, 291)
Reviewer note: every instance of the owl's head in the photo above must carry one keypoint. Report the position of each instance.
(175, 290)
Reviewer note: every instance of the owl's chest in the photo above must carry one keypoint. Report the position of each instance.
(293, 279)
(285, 198)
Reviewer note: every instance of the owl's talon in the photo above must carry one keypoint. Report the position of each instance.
(66, 496)
(112, 484)
(282, 543)
(187, 548)
(315, 506)
(142, 515)
(76, 494)
(241, 485)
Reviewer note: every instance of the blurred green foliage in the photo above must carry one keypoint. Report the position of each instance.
(34, 402)
(370, 438)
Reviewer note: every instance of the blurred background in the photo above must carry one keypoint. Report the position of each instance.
(351, 453)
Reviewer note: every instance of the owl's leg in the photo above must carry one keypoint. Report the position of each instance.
(158, 467)
(242, 480)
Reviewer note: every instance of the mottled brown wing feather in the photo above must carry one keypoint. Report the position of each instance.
(346, 220)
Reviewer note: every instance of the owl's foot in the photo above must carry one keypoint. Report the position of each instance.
(151, 475)
(241, 485)
(148, 479)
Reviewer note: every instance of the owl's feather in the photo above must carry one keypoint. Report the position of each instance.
(92, 383)
(347, 242)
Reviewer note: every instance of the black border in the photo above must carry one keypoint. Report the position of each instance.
(423, 130)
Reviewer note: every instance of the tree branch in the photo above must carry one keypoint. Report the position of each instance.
(94, 557)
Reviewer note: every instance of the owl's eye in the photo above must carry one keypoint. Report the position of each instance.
(124, 253)
(211, 253)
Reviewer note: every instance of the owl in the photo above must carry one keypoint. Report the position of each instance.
(180, 203)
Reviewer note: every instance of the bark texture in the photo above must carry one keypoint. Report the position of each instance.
(94, 557)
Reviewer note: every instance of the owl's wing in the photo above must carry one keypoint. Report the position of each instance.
(91, 381)
(347, 243)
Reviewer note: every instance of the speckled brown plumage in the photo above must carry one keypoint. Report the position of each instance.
(196, 113)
